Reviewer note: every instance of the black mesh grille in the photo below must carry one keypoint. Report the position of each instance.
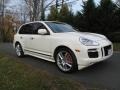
(93, 53)
(106, 50)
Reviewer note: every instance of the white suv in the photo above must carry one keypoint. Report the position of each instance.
(61, 43)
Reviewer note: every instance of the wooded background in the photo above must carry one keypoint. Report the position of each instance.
(103, 18)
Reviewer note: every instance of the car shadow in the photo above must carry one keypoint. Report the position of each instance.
(96, 66)
(41, 63)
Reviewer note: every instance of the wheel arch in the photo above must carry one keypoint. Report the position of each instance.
(75, 62)
(61, 46)
(17, 42)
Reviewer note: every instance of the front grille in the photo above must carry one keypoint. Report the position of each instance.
(93, 53)
(106, 50)
(102, 52)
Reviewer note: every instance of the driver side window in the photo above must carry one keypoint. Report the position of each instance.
(37, 26)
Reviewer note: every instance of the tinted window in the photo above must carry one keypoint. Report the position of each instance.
(58, 27)
(37, 26)
(26, 29)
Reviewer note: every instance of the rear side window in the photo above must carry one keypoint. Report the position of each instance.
(26, 29)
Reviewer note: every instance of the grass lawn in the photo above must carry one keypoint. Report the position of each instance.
(116, 46)
(14, 75)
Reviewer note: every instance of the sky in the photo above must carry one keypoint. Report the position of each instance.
(75, 6)
(78, 5)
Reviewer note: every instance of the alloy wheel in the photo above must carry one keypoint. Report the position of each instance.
(64, 61)
(18, 50)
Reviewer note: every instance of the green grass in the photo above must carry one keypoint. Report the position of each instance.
(14, 75)
(116, 46)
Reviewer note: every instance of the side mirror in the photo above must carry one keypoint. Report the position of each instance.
(42, 31)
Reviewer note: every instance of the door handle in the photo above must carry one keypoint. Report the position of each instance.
(31, 38)
(21, 37)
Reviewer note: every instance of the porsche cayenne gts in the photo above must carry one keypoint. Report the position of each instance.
(60, 43)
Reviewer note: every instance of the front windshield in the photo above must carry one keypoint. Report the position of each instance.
(58, 27)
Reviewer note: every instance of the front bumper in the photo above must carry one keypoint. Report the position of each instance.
(85, 60)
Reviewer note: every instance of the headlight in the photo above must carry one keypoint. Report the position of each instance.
(88, 42)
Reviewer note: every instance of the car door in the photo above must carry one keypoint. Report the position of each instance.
(39, 44)
(25, 35)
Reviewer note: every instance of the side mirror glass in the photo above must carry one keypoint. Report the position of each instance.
(42, 31)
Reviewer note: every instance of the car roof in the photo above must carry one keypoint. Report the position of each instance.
(42, 22)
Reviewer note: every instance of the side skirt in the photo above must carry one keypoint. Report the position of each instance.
(39, 55)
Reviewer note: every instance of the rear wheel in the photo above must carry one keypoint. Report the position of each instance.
(19, 50)
(66, 60)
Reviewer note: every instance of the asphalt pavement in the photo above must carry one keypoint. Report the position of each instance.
(105, 74)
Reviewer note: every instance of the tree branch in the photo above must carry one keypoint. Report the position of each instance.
(49, 4)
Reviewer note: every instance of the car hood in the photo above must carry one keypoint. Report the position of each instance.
(91, 36)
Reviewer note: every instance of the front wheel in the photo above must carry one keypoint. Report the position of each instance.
(19, 50)
(66, 60)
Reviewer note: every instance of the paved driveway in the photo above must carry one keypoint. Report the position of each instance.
(105, 74)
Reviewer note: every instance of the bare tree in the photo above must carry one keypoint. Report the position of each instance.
(2, 14)
(118, 3)
(37, 8)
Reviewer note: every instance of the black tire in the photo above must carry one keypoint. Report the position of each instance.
(73, 59)
(19, 50)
